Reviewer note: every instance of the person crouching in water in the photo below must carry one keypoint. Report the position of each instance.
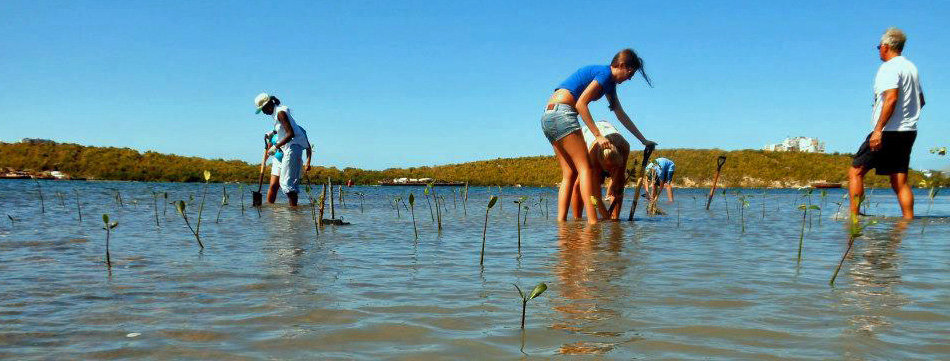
(291, 140)
(271, 139)
(560, 125)
(661, 176)
(607, 164)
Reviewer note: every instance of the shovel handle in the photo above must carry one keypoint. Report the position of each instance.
(260, 180)
(720, 162)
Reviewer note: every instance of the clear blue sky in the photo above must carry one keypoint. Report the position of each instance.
(408, 83)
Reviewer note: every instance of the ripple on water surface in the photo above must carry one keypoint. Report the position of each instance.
(692, 284)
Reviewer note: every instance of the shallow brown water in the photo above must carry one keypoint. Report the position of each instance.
(268, 288)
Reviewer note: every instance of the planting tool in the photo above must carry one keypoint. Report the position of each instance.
(647, 151)
(257, 197)
(712, 191)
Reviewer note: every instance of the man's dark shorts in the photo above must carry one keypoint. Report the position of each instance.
(893, 157)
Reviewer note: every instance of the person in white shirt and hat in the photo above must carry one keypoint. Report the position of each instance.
(291, 140)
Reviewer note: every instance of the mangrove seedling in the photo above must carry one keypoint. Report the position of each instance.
(62, 199)
(108, 227)
(519, 202)
(396, 201)
(224, 201)
(78, 206)
(855, 229)
(241, 189)
(11, 220)
(412, 210)
(743, 204)
(155, 207)
(361, 195)
(438, 207)
(180, 205)
(801, 239)
(931, 195)
(39, 190)
(537, 291)
(491, 203)
(165, 207)
(201, 206)
(313, 208)
(425, 192)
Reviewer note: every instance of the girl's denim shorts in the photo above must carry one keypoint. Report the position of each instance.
(559, 121)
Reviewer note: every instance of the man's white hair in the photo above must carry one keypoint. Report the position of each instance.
(894, 38)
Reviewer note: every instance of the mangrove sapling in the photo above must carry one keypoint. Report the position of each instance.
(438, 208)
(165, 207)
(465, 201)
(743, 204)
(224, 201)
(537, 291)
(11, 220)
(201, 207)
(322, 202)
(181, 207)
(931, 195)
(491, 203)
(396, 201)
(108, 227)
(62, 199)
(426, 192)
(361, 195)
(78, 206)
(855, 229)
(725, 202)
(801, 239)
(313, 208)
(155, 207)
(39, 189)
(241, 190)
(412, 211)
(332, 207)
(519, 202)
(454, 201)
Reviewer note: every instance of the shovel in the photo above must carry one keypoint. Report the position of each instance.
(647, 151)
(719, 162)
(257, 198)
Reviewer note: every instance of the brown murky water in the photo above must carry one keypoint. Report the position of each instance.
(266, 287)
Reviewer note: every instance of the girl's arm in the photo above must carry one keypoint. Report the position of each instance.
(282, 118)
(309, 157)
(625, 120)
(592, 91)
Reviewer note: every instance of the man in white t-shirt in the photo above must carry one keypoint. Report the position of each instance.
(898, 99)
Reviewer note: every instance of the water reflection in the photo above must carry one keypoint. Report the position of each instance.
(876, 277)
(590, 262)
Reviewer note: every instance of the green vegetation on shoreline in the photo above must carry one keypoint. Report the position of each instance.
(694, 167)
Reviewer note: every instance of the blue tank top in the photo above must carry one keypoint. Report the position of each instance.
(577, 82)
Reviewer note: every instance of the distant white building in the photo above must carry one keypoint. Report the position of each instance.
(798, 144)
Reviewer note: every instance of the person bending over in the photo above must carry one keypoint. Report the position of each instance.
(661, 170)
(608, 166)
(562, 129)
(291, 140)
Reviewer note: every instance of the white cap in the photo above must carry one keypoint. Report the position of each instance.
(260, 101)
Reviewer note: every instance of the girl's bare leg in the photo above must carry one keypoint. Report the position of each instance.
(568, 176)
(575, 148)
(273, 189)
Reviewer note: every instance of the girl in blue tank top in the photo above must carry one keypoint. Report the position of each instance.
(562, 128)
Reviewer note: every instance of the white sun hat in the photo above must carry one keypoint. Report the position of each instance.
(260, 101)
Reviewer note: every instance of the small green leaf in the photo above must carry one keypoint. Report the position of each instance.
(426, 190)
(105, 219)
(802, 207)
(519, 291)
(412, 199)
(593, 200)
(114, 224)
(180, 205)
(207, 175)
(491, 201)
(813, 206)
(538, 290)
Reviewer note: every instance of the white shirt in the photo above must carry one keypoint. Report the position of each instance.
(898, 73)
(604, 128)
(300, 136)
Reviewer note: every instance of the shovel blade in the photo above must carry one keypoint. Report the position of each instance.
(257, 199)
